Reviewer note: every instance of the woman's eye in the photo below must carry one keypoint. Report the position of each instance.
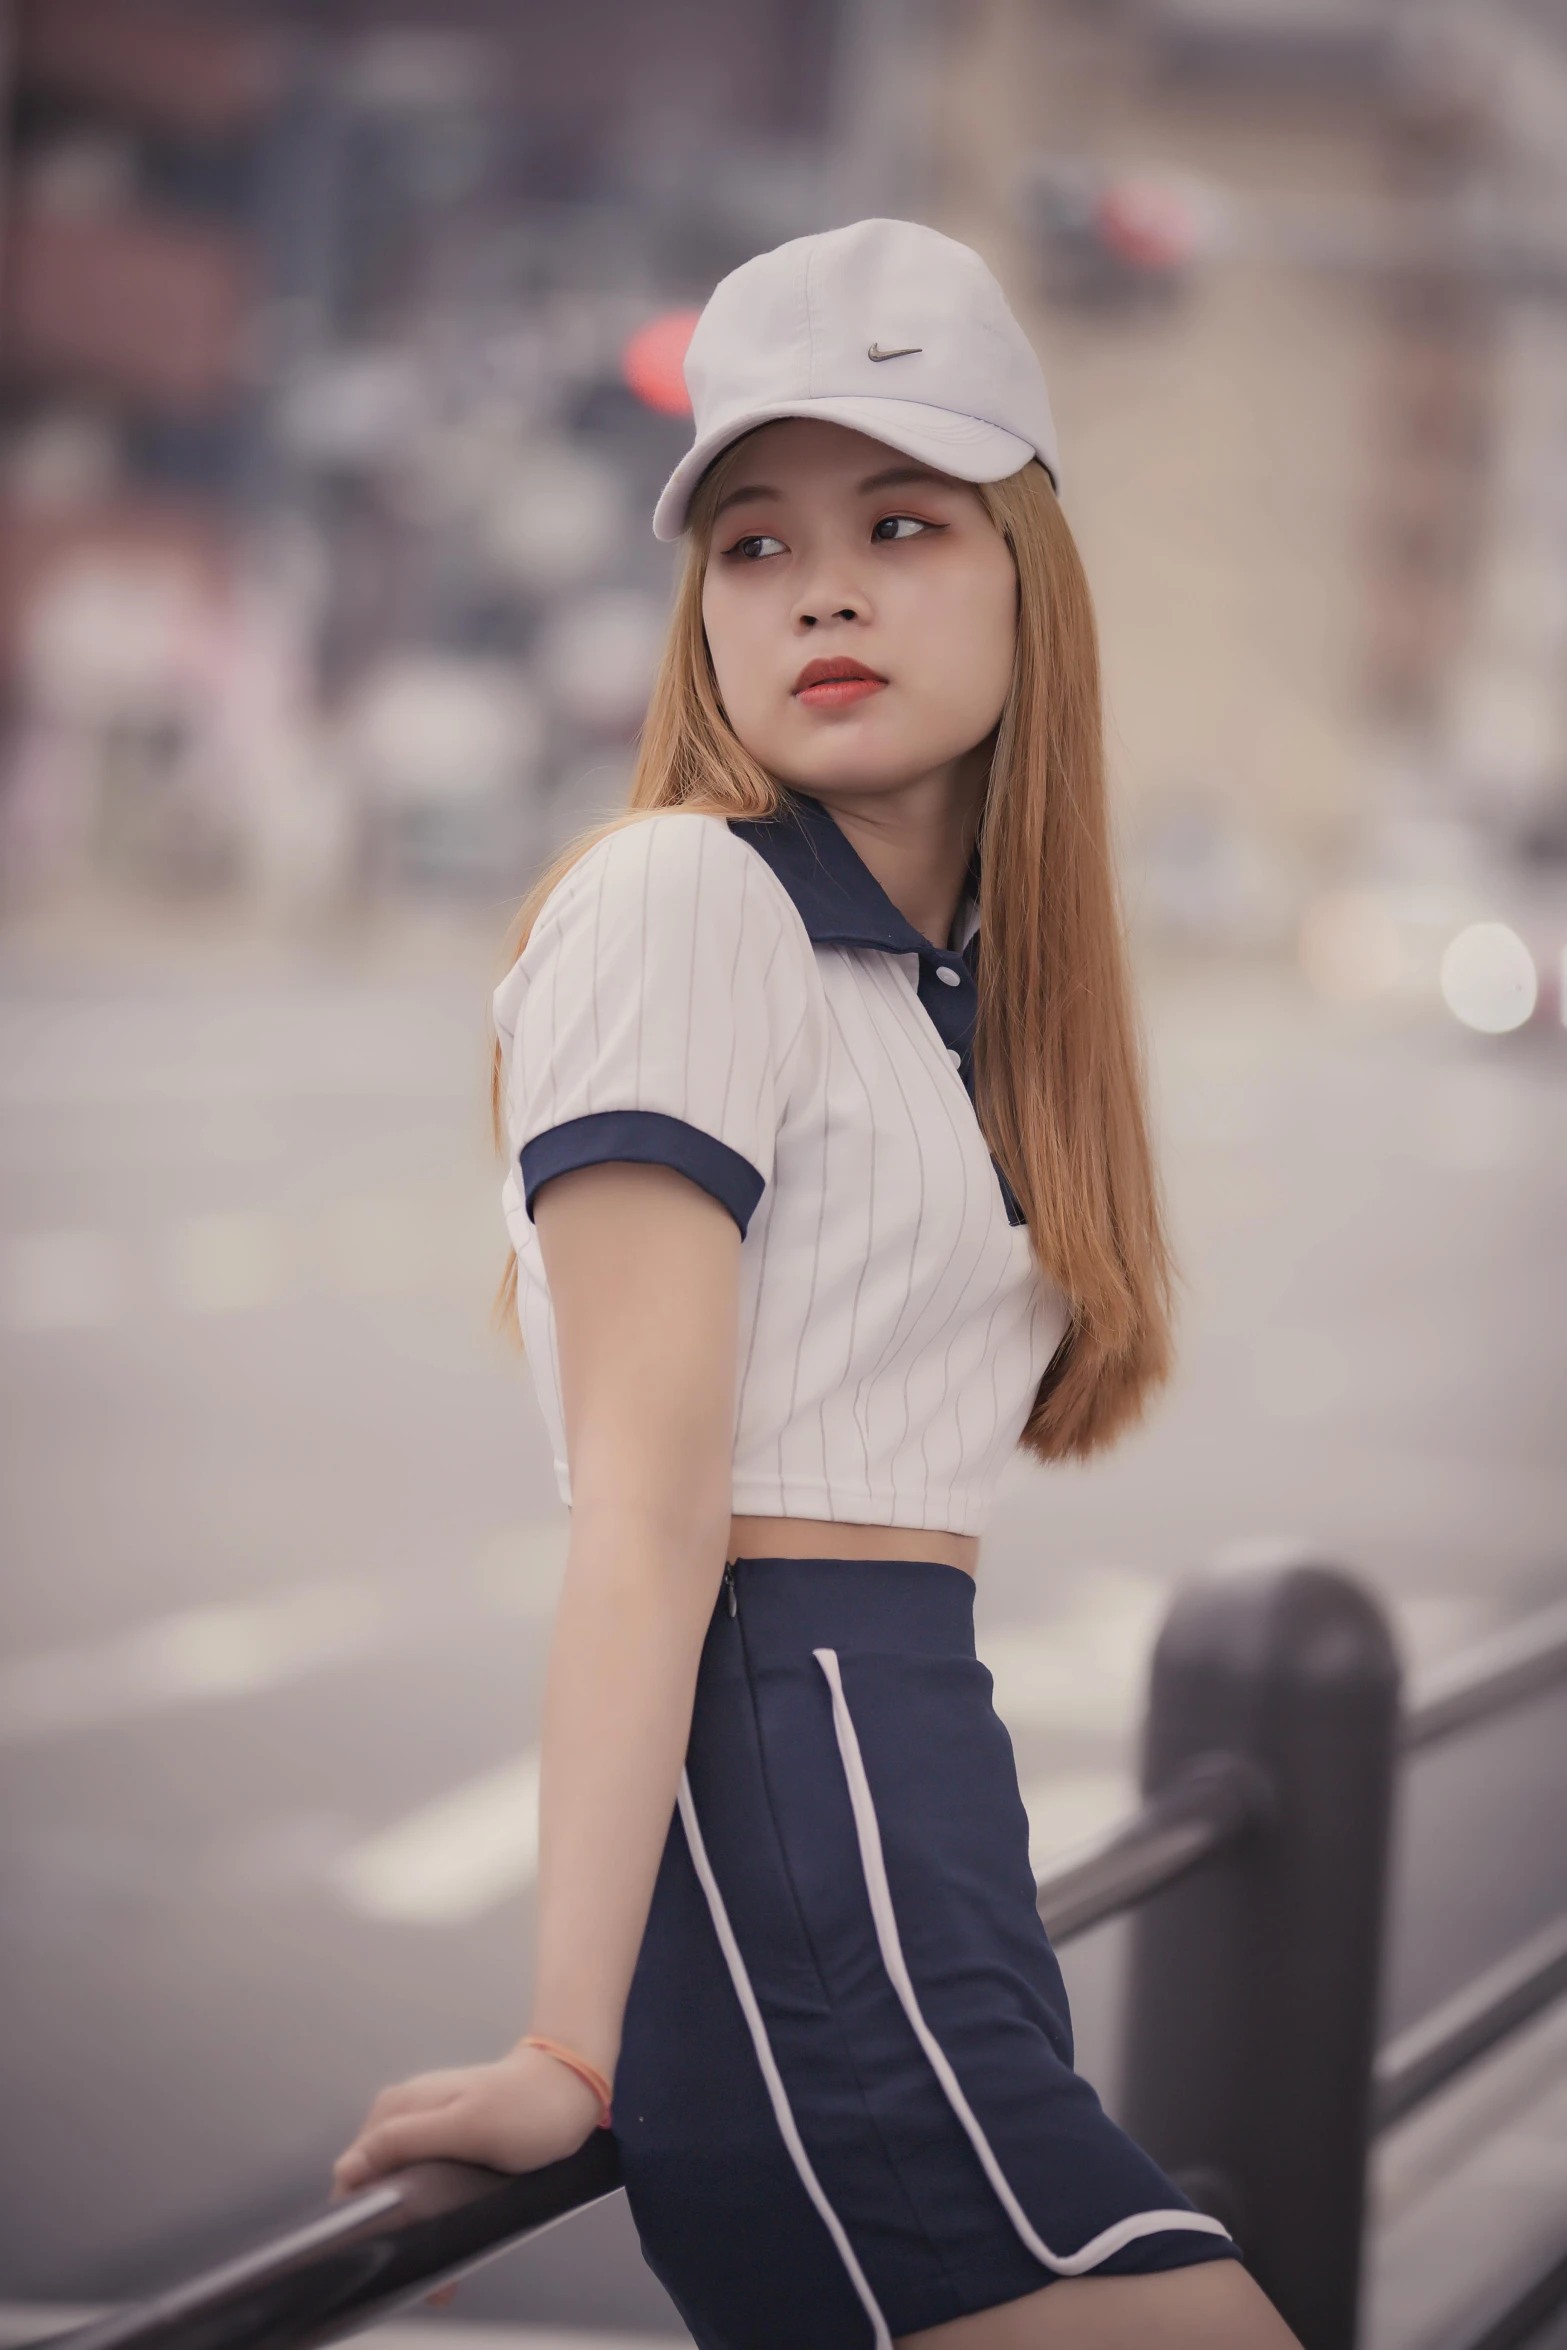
(898, 526)
(754, 548)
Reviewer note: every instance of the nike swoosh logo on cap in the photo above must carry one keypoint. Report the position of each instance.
(910, 351)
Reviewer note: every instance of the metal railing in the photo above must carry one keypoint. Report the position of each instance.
(363, 2260)
(1252, 2069)
(1255, 1872)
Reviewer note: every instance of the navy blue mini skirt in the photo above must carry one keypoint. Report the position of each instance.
(845, 2101)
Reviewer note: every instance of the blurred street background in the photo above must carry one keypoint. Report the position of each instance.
(339, 367)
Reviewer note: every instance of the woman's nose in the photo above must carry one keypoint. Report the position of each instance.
(831, 599)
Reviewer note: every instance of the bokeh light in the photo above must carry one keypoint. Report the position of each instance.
(1488, 978)
(653, 362)
(1151, 223)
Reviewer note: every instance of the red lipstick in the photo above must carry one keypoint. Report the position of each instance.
(835, 684)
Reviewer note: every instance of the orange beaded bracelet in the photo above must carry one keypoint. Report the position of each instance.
(577, 2064)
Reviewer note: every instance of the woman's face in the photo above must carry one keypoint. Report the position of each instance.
(861, 610)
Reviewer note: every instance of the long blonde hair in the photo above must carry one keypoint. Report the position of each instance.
(1059, 1077)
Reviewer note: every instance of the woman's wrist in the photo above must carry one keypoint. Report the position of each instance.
(571, 2060)
(577, 2023)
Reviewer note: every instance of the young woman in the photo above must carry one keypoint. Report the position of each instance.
(830, 1184)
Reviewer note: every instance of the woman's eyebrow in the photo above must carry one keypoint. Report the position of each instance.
(752, 490)
(896, 475)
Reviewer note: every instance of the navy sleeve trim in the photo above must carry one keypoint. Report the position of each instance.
(646, 1138)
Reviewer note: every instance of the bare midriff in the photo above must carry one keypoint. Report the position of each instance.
(833, 1538)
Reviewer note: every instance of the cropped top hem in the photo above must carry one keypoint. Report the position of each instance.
(941, 1512)
(644, 1138)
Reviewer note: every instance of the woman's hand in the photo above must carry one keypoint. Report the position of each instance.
(519, 2113)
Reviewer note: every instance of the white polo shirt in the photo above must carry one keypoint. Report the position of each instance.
(744, 1003)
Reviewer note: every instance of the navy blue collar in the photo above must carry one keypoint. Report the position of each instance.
(842, 904)
(837, 896)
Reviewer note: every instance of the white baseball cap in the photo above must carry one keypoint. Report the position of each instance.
(885, 326)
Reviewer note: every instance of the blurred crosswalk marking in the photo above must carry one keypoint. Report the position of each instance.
(68, 1280)
(1070, 1808)
(234, 1260)
(454, 1859)
(239, 1647)
(226, 1262)
(198, 1654)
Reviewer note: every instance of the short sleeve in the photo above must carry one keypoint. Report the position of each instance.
(647, 1018)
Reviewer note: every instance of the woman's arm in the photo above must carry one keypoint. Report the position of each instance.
(643, 1269)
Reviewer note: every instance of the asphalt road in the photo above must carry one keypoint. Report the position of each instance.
(280, 1541)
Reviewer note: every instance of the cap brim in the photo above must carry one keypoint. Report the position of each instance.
(960, 445)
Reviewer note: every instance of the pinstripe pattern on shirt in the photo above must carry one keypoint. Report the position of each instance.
(894, 1325)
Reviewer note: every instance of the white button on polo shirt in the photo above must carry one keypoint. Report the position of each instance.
(743, 1002)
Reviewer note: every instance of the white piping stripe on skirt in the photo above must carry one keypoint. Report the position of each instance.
(1110, 2239)
(782, 2111)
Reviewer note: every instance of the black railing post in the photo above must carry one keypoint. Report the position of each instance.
(1252, 1999)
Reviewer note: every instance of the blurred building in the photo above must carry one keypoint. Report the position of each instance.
(1299, 270)
(324, 565)
(311, 325)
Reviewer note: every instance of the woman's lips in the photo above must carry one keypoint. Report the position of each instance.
(835, 693)
(833, 685)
